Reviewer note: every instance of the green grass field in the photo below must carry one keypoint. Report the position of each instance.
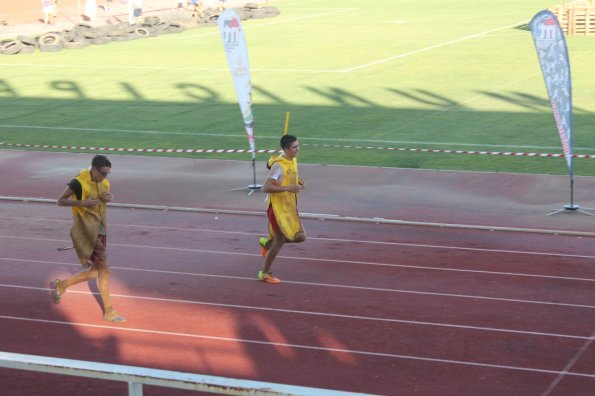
(457, 74)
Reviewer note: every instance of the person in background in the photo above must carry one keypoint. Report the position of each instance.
(135, 11)
(90, 9)
(87, 194)
(49, 12)
(197, 8)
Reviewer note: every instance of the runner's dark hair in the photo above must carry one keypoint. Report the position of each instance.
(286, 141)
(99, 161)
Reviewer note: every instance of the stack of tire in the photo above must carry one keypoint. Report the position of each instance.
(82, 35)
(20, 45)
(209, 18)
(255, 11)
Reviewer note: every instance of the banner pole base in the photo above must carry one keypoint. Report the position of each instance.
(251, 187)
(572, 208)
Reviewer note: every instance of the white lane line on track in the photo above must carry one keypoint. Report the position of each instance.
(342, 240)
(299, 346)
(355, 262)
(324, 314)
(353, 287)
(571, 363)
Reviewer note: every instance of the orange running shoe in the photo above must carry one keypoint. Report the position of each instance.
(268, 278)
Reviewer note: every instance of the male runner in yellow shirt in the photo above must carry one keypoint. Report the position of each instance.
(282, 185)
(87, 194)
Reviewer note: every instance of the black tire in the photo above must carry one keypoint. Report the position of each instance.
(12, 47)
(27, 40)
(50, 39)
(91, 33)
(175, 28)
(121, 25)
(51, 47)
(213, 17)
(83, 26)
(101, 40)
(121, 38)
(150, 28)
(161, 26)
(116, 32)
(142, 32)
(272, 11)
(27, 49)
(132, 28)
(152, 20)
(241, 13)
(69, 35)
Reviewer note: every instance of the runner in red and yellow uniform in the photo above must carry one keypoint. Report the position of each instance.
(87, 194)
(282, 185)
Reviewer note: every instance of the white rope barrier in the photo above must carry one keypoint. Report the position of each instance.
(269, 151)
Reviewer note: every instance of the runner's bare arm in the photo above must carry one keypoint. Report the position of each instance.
(65, 200)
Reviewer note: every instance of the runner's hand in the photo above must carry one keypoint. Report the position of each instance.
(90, 203)
(294, 188)
(107, 197)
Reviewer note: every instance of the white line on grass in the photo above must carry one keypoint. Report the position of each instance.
(164, 68)
(426, 49)
(210, 134)
(223, 69)
(316, 313)
(102, 130)
(212, 33)
(298, 346)
(122, 67)
(249, 26)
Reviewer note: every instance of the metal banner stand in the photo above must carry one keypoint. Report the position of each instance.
(571, 206)
(251, 187)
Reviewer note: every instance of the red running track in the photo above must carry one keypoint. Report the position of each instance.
(363, 307)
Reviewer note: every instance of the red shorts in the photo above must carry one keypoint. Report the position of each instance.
(273, 220)
(99, 253)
